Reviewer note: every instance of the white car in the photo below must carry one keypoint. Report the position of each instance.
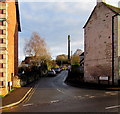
(51, 73)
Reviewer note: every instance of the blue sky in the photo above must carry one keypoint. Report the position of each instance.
(54, 21)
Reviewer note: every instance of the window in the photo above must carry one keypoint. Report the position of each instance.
(1, 56)
(1, 41)
(1, 84)
(1, 31)
(1, 11)
(1, 65)
(1, 22)
(1, 74)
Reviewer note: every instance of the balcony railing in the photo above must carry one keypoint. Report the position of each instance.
(2, 16)
(2, 27)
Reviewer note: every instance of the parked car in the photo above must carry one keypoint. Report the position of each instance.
(57, 70)
(51, 73)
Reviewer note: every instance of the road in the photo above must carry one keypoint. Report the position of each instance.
(51, 94)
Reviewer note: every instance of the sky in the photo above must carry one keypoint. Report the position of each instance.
(54, 20)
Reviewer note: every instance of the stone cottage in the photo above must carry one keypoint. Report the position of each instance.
(102, 43)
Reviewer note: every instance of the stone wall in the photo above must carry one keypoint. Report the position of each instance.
(98, 44)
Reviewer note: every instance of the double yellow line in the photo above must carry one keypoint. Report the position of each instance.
(13, 104)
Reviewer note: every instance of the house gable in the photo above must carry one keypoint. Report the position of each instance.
(115, 10)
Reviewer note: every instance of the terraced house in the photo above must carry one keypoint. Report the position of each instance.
(102, 43)
(9, 27)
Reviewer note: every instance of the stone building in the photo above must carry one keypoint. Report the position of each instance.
(102, 43)
(9, 27)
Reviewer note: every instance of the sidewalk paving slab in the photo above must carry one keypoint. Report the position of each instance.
(88, 85)
(17, 94)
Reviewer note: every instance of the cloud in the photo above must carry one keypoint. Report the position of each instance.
(54, 21)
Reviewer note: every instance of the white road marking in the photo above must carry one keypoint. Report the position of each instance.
(60, 91)
(111, 93)
(108, 92)
(28, 104)
(117, 106)
(92, 97)
(55, 101)
(78, 97)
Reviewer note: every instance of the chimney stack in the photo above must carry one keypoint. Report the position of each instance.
(99, 1)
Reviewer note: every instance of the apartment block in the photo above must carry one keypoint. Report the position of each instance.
(9, 27)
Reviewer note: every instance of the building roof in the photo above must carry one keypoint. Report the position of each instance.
(18, 15)
(78, 52)
(114, 9)
(82, 54)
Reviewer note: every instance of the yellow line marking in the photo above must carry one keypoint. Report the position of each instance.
(10, 105)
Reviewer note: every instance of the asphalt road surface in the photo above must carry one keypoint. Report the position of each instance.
(51, 94)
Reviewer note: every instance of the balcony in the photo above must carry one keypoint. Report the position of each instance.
(2, 69)
(2, 6)
(2, 16)
(3, 61)
(2, 36)
(2, 27)
(3, 78)
(2, 52)
(3, 45)
(2, 48)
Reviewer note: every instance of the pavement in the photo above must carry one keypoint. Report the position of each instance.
(96, 86)
(17, 96)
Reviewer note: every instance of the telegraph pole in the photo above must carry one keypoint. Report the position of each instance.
(68, 47)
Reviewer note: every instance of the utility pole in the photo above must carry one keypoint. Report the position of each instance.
(68, 47)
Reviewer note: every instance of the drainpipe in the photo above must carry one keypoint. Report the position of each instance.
(113, 47)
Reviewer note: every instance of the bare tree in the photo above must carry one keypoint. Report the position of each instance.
(36, 48)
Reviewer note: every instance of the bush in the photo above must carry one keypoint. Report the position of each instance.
(31, 73)
(76, 74)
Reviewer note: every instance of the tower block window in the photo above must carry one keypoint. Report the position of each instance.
(4, 32)
(1, 56)
(1, 31)
(1, 65)
(1, 11)
(1, 84)
(1, 74)
(1, 23)
(1, 41)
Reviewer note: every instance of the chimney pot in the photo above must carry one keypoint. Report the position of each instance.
(98, 1)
